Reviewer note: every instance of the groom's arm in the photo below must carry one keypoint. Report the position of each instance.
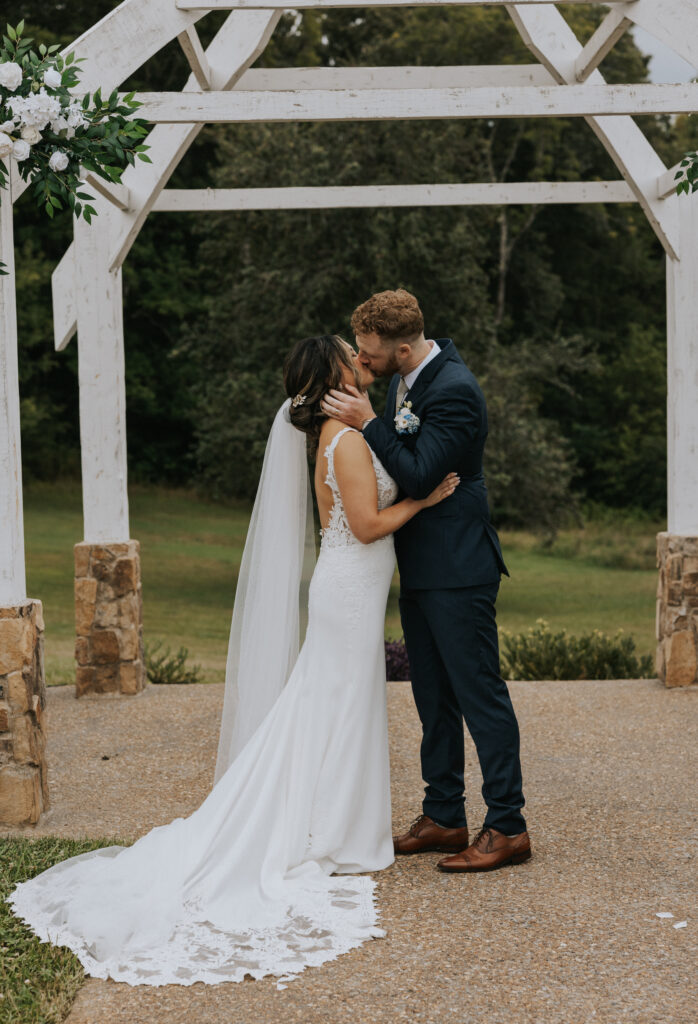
(443, 440)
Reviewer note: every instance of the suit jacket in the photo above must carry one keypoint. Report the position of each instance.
(452, 544)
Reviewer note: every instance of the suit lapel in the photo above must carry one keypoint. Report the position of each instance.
(389, 414)
(430, 370)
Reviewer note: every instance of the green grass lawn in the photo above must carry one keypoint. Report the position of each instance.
(602, 576)
(38, 981)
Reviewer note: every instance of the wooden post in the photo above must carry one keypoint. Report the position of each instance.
(682, 356)
(101, 371)
(677, 549)
(23, 773)
(108, 597)
(12, 573)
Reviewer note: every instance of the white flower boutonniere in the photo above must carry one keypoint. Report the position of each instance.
(406, 422)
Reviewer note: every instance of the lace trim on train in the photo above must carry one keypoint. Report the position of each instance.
(326, 924)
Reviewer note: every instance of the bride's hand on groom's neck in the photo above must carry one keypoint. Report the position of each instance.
(351, 406)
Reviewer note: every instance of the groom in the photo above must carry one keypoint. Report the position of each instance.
(450, 564)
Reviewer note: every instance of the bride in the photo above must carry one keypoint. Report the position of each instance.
(266, 876)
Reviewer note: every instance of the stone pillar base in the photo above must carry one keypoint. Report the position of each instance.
(677, 609)
(108, 619)
(23, 772)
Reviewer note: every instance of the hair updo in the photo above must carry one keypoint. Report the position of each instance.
(312, 368)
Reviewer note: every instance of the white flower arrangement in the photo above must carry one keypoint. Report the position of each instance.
(406, 422)
(52, 135)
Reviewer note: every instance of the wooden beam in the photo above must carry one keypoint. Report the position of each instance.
(672, 22)
(118, 195)
(362, 196)
(614, 25)
(236, 45)
(682, 376)
(548, 36)
(102, 386)
(13, 586)
(666, 183)
(413, 77)
(123, 40)
(193, 51)
(63, 292)
(302, 5)
(370, 104)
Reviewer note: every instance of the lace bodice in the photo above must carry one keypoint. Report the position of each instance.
(337, 533)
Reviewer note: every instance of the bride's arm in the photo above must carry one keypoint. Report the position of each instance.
(356, 480)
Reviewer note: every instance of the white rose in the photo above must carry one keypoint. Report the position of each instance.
(52, 78)
(10, 75)
(21, 149)
(5, 145)
(7, 126)
(31, 134)
(58, 161)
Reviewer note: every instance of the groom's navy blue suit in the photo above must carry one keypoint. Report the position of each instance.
(450, 564)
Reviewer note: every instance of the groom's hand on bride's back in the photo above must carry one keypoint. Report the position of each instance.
(352, 406)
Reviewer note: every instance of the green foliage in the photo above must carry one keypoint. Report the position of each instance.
(560, 310)
(687, 176)
(540, 653)
(164, 667)
(108, 138)
(38, 981)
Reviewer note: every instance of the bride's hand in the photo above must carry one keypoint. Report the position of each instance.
(444, 490)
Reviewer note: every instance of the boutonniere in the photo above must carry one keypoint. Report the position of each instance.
(406, 422)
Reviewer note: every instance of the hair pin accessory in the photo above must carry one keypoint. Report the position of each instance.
(298, 400)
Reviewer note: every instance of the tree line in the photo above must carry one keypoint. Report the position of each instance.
(559, 310)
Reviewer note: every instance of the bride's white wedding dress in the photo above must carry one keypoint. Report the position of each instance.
(264, 877)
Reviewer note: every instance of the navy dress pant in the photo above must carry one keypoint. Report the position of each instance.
(453, 648)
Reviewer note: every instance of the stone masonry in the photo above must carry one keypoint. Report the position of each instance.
(677, 609)
(109, 618)
(23, 773)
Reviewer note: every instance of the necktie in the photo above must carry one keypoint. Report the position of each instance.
(401, 392)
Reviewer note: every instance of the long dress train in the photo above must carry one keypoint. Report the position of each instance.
(265, 876)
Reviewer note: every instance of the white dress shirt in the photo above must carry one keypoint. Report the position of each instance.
(411, 377)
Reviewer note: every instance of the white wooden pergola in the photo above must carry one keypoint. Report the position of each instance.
(564, 81)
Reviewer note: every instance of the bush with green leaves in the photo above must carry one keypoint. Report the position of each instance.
(164, 667)
(540, 653)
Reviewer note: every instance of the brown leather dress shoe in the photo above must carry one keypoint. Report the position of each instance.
(425, 836)
(491, 849)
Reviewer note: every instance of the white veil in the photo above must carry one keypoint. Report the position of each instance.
(277, 561)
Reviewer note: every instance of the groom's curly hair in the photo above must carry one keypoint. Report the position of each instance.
(392, 315)
(313, 366)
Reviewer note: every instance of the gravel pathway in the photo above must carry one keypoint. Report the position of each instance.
(570, 937)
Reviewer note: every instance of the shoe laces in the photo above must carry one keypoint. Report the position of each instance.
(414, 827)
(485, 830)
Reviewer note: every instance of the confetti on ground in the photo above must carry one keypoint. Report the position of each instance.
(664, 915)
(681, 924)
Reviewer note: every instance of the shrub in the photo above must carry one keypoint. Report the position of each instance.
(541, 654)
(164, 667)
(397, 666)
